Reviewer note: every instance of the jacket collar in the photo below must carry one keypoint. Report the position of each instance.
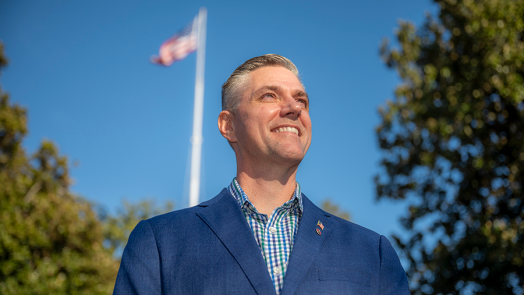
(222, 214)
(240, 196)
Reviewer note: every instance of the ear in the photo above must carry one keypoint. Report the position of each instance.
(226, 126)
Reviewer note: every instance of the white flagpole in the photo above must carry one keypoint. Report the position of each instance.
(198, 111)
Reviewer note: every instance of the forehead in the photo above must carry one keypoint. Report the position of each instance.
(273, 76)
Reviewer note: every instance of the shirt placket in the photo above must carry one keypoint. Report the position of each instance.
(275, 248)
(274, 234)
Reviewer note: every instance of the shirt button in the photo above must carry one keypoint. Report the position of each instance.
(277, 270)
(273, 230)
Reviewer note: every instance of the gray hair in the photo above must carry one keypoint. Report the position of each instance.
(232, 89)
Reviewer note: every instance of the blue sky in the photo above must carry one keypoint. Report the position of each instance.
(82, 70)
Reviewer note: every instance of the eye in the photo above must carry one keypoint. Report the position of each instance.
(302, 101)
(268, 95)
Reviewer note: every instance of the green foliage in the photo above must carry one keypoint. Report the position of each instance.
(50, 240)
(334, 209)
(117, 228)
(453, 147)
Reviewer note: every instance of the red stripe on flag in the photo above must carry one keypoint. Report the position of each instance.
(179, 46)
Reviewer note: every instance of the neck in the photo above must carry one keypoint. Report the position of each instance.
(267, 189)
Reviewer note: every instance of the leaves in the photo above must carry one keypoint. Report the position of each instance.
(51, 241)
(118, 227)
(335, 210)
(452, 144)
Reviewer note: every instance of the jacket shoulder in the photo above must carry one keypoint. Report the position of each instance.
(344, 225)
(185, 216)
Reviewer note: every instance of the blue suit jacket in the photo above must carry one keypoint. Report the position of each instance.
(210, 249)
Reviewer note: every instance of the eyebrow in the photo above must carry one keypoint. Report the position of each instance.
(302, 93)
(276, 88)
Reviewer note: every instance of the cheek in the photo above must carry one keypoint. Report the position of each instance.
(306, 121)
(255, 122)
(248, 130)
(262, 116)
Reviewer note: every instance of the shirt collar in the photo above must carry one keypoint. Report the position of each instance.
(243, 201)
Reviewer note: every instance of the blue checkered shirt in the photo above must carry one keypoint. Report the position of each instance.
(274, 234)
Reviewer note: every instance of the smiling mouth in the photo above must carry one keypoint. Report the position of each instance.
(286, 129)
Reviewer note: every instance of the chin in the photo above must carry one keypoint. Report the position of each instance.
(291, 158)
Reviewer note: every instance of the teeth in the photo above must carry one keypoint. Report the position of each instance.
(287, 129)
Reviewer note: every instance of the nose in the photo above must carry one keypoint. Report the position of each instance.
(291, 108)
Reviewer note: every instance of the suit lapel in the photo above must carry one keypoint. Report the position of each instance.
(307, 244)
(224, 216)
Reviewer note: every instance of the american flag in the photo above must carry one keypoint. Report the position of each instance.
(179, 46)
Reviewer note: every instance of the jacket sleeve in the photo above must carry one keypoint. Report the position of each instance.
(393, 280)
(139, 271)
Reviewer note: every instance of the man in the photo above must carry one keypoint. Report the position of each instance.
(260, 235)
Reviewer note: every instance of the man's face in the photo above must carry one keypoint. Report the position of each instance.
(271, 122)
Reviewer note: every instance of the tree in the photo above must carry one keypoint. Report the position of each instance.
(334, 209)
(452, 144)
(50, 240)
(118, 227)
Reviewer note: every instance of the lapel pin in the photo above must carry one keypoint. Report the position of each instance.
(318, 231)
(320, 225)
